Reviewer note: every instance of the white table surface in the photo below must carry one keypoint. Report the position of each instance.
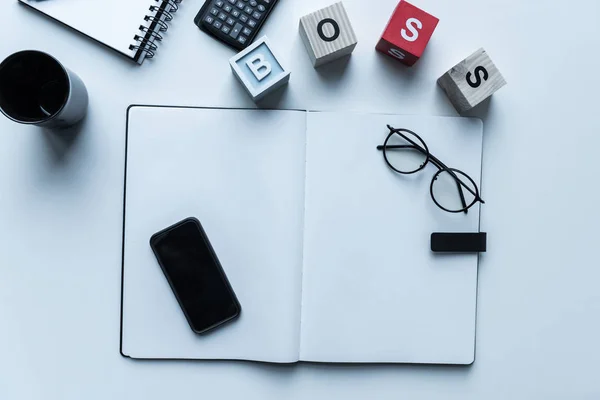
(538, 324)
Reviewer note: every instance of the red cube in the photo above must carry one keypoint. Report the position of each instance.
(407, 33)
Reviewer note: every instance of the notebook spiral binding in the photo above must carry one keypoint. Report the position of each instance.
(161, 14)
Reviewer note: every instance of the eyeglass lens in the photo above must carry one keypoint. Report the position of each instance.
(403, 156)
(446, 193)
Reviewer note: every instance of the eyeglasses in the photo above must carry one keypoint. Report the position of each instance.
(451, 189)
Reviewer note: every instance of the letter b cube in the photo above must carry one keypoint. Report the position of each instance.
(327, 34)
(258, 69)
(407, 33)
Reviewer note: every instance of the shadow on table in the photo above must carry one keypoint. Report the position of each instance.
(481, 111)
(329, 368)
(62, 142)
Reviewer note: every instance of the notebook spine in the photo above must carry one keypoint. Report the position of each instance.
(145, 43)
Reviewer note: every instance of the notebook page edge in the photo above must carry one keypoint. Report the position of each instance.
(126, 350)
(465, 359)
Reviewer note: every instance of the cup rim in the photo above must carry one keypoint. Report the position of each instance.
(63, 69)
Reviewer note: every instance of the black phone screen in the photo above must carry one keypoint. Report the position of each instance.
(195, 275)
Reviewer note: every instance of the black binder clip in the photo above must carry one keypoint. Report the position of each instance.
(459, 242)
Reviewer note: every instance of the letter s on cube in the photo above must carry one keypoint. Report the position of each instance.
(471, 81)
(407, 33)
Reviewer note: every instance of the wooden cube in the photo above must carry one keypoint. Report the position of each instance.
(327, 34)
(258, 69)
(407, 33)
(471, 81)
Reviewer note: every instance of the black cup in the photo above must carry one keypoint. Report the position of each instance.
(36, 89)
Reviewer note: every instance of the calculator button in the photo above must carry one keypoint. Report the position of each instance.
(209, 19)
(217, 24)
(214, 11)
(261, 8)
(222, 16)
(235, 13)
(230, 21)
(227, 8)
(252, 23)
(241, 39)
(247, 31)
(240, 5)
(249, 10)
(236, 31)
(219, 3)
(253, 3)
(225, 29)
(243, 18)
(231, 1)
(256, 15)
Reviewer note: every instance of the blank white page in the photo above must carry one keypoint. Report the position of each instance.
(372, 290)
(241, 173)
(112, 22)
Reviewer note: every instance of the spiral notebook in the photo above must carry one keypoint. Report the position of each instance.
(327, 249)
(131, 27)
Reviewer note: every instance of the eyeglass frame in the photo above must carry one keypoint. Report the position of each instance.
(437, 163)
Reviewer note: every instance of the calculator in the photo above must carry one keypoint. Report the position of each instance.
(235, 22)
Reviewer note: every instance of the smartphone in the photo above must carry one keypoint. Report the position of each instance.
(195, 275)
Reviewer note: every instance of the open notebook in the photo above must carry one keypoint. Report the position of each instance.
(326, 248)
(131, 27)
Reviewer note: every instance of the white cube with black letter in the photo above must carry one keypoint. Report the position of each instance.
(258, 69)
(471, 81)
(327, 34)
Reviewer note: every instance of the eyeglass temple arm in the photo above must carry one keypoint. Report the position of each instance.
(435, 161)
(459, 184)
(439, 165)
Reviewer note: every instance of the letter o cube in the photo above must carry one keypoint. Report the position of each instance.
(258, 69)
(327, 34)
(407, 33)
